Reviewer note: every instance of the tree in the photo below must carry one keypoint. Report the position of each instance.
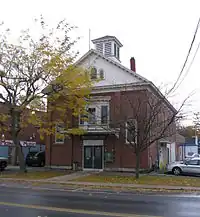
(186, 131)
(142, 119)
(147, 120)
(192, 130)
(36, 67)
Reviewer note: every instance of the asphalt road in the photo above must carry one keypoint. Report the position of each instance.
(25, 202)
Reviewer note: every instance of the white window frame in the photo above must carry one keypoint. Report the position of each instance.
(93, 79)
(56, 131)
(97, 113)
(103, 74)
(126, 132)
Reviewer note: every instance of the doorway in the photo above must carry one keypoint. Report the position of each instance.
(93, 157)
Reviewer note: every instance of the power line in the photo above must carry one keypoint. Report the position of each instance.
(189, 67)
(191, 45)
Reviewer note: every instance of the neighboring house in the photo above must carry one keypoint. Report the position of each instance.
(103, 147)
(29, 137)
(190, 147)
(169, 152)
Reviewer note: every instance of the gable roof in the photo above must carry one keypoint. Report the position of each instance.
(92, 51)
(139, 77)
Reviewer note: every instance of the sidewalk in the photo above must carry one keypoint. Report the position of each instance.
(100, 184)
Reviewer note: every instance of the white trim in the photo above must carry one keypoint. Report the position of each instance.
(97, 104)
(100, 98)
(61, 132)
(101, 69)
(107, 38)
(111, 61)
(143, 80)
(92, 142)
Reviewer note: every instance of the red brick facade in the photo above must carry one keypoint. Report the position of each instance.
(25, 133)
(123, 105)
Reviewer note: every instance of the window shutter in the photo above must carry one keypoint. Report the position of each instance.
(107, 51)
(99, 47)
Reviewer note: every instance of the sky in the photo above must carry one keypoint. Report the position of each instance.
(157, 33)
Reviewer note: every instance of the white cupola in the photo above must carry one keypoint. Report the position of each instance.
(109, 46)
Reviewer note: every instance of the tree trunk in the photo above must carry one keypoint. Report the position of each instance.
(14, 156)
(22, 164)
(137, 168)
(15, 135)
(72, 153)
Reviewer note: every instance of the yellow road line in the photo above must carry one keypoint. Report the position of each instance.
(76, 211)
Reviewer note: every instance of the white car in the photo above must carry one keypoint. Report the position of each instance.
(187, 157)
(191, 166)
(3, 163)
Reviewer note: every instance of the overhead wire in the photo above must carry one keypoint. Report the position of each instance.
(187, 57)
(189, 67)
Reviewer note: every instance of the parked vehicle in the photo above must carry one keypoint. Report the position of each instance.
(191, 166)
(188, 157)
(3, 163)
(35, 158)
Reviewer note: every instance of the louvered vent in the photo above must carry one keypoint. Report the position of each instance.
(99, 47)
(107, 49)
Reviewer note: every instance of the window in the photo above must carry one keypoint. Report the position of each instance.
(193, 162)
(101, 74)
(82, 118)
(115, 50)
(92, 115)
(104, 114)
(97, 114)
(131, 131)
(118, 52)
(59, 136)
(93, 73)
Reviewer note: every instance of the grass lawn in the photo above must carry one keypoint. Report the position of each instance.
(35, 174)
(145, 179)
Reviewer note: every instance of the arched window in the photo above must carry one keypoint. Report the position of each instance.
(101, 74)
(93, 73)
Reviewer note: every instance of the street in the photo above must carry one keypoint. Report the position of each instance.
(57, 203)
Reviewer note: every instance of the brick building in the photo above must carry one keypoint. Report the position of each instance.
(28, 136)
(114, 99)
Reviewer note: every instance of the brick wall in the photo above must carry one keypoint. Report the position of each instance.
(123, 105)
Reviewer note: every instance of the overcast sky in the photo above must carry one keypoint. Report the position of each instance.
(157, 33)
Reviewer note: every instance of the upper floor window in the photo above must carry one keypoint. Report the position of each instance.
(131, 131)
(93, 73)
(104, 114)
(101, 74)
(59, 135)
(92, 117)
(96, 114)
